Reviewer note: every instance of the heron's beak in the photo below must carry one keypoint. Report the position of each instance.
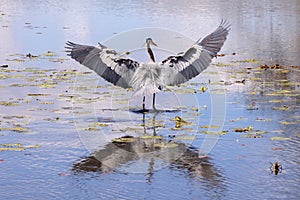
(153, 43)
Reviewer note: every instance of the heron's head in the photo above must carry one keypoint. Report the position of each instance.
(150, 41)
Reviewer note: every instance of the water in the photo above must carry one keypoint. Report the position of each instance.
(56, 117)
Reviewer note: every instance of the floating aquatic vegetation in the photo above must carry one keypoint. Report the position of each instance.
(4, 76)
(280, 138)
(281, 108)
(8, 103)
(195, 109)
(276, 101)
(179, 119)
(209, 126)
(287, 123)
(98, 124)
(38, 94)
(214, 132)
(279, 67)
(50, 53)
(124, 139)
(13, 116)
(249, 128)
(17, 147)
(246, 61)
(179, 123)
(18, 129)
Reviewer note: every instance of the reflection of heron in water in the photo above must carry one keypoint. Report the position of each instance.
(149, 78)
(150, 150)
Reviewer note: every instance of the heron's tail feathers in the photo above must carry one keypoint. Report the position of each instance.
(146, 91)
(147, 80)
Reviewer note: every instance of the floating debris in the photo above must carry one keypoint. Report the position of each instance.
(276, 148)
(263, 120)
(29, 55)
(4, 66)
(277, 66)
(276, 168)
(92, 129)
(203, 89)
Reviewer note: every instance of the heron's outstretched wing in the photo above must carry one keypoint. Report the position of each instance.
(104, 62)
(181, 68)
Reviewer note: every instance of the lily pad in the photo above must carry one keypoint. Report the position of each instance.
(280, 138)
(210, 126)
(249, 128)
(214, 132)
(18, 129)
(124, 139)
(8, 103)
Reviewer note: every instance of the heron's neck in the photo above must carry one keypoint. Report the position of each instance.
(152, 59)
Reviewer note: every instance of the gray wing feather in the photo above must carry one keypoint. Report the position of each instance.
(105, 62)
(181, 68)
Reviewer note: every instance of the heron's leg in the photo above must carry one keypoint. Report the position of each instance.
(153, 104)
(144, 102)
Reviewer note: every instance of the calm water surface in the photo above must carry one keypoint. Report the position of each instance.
(58, 120)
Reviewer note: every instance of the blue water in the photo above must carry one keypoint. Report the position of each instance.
(64, 165)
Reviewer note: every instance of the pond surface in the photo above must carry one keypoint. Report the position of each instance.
(66, 134)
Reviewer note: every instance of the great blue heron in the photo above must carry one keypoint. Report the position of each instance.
(149, 78)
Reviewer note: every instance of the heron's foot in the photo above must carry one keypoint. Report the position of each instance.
(154, 109)
(142, 111)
